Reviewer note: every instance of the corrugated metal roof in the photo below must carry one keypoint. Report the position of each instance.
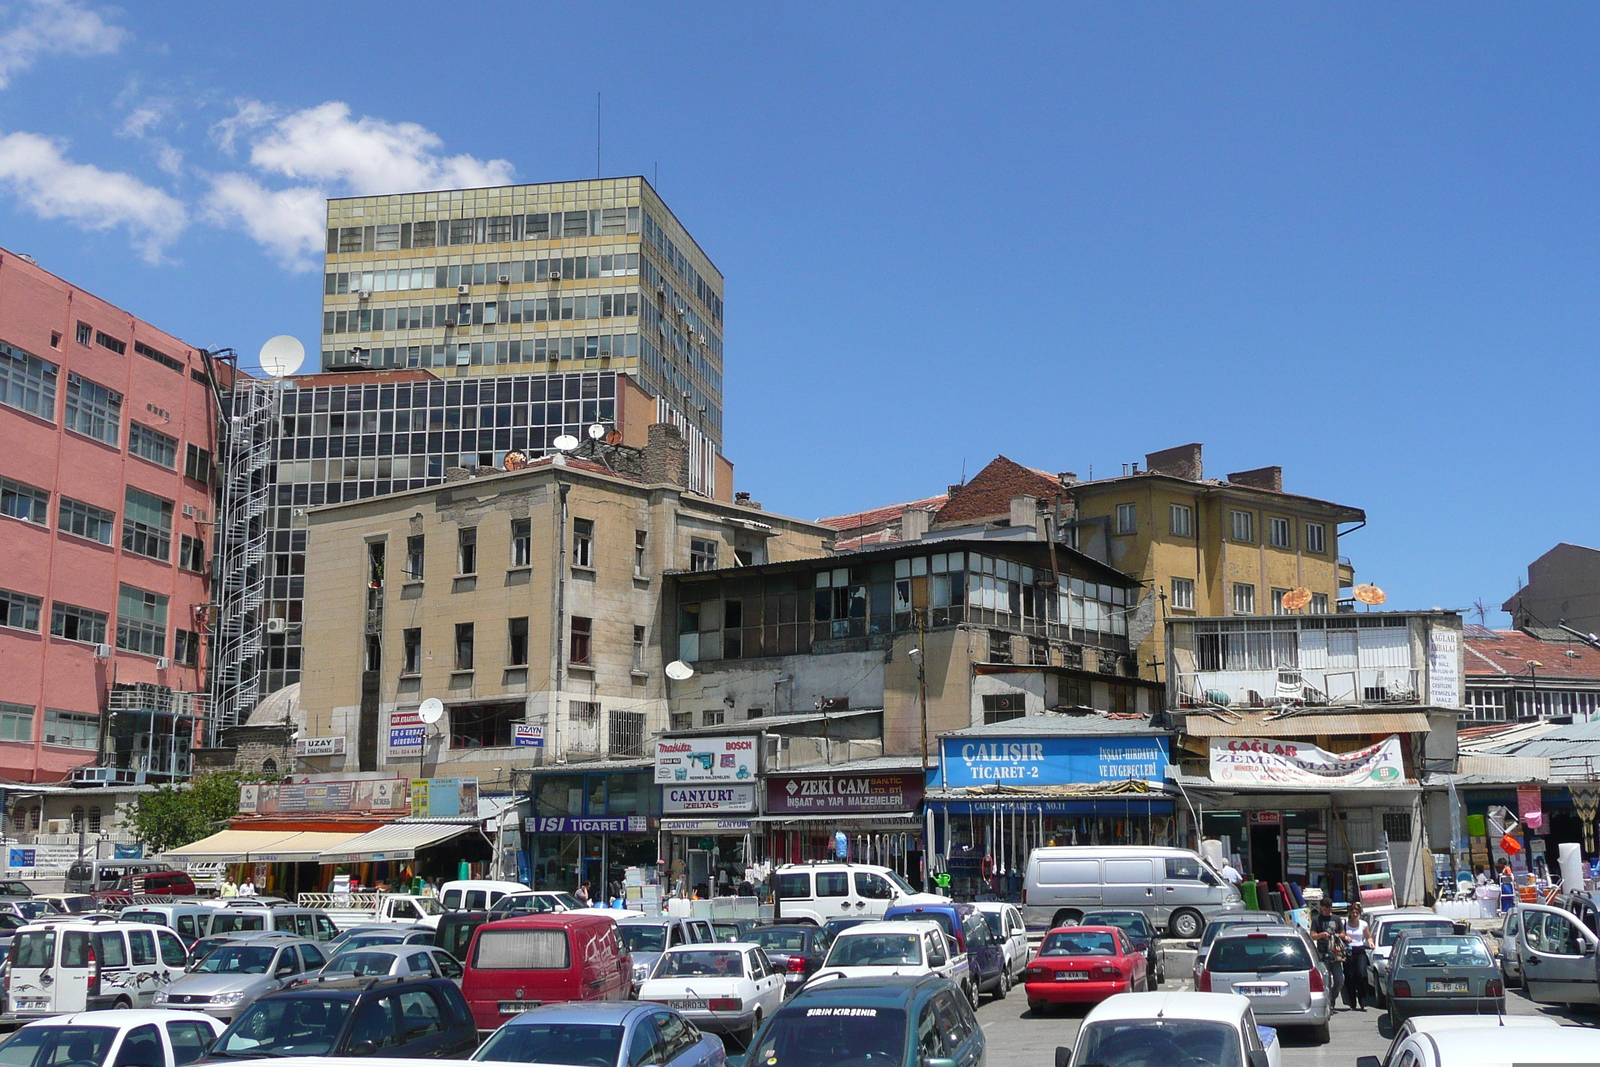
(1579, 739)
(1254, 724)
(1061, 726)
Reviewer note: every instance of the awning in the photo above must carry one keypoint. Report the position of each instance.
(229, 846)
(910, 817)
(397, 841)
(1255, 724)
(307, 846)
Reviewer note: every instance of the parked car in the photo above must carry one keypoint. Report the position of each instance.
(385, 960)
(374, 937)
(409, 1017)
(12, 889)
(102, 1038)
(67, 965)
(823, 891)
(1439, 974)
(795, 949)
(146, 884)
(206, 945)
(1555, 954)
(886, 949)
(1433, 1024)
(1230, 924)
(88, 875)
(1386, 930)
(190, 922)
(1083, 965)
(9, 925)
(721, 988)
(476, 894)
(1483, 1046)
(516, 964)
(534, 902)
(986, 960)
(882, 1022)
(455, 930)
(257, 913)
(1007, 930)
(603, 1034)
(1279, 971)
(30, 909)
(646, 937)
(69, 903)
(833, 927)
(1145, 937)
(1173, 886)
(233, 975)
(1172, 1028)
(732, 929)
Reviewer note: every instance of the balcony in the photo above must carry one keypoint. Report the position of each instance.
(1346, 572)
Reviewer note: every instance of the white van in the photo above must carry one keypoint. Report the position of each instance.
(476, 894)
(93, 875)
(1174, 887)
(823, 891)
(190, 922)
(83, 965)
(240, 916)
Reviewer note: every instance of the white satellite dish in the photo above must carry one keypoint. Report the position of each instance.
(431, 711)
(282, 355)
(566, 442)
(679, 671)
(596, 432)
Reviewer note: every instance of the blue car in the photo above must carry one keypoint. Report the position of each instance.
(967, 930)
(910, 1021)
(603, 1033)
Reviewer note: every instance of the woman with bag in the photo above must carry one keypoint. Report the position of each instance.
(1357, 961)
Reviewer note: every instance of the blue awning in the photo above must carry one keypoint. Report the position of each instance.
(1114, 804)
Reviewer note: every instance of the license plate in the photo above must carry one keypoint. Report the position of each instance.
(689, 1005)
(1260, 990)
(1459, 986)
(32, 1003)
(517, 1007)
(1072, 976)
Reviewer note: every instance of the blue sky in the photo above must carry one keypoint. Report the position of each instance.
(1356, 241)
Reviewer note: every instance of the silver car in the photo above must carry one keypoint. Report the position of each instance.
(231, 976)
(647, 937)
(386, 960)
(1278, 970)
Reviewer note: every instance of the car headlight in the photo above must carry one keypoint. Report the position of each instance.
(228, 998)
(161, 997)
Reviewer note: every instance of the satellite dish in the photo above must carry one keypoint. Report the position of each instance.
(596, 432)
(679, 671)
(566, 442)
(282, 355)
(1369, 594)
(431, 711)
(1297, 598)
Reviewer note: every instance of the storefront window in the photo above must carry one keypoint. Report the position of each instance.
(560, 795)
(597, 794)
(625, 789)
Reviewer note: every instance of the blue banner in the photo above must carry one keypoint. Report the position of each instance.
(128, 852)
(574, 824)
(968, 761)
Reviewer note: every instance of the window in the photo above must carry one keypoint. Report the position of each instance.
(1397, 826)
(1244, 598)
(22, 501)
(185, 648)
(1244, 525)
(1182, 520)
(94, 819)
(999, 646)
(584, 713)
(467, 550)
(713, 717)
(1319, 603)
(93, 410)
(702, 554)
(414, 552)
(1277, 601)
(147, 525)
(78, 624)
(27, 382)
(639, 539)
(1183, 594)
(105, 340)
(21, 611)
(141, 621)
(638, 648)
(411, 650)
(582, 542)
(197, 464)
(682, 720)
(85, 333)
(833, 883)
(1316, 537)
(152, 445)
(517, 641)
(626, 738)
(1127, 518)
(522, 542)
(582, 629)
(16, 724)
(68, 729)
(191, 554)
(1278, 534)
(485, 725)
(86, 520)
(998, 707)
(464, 640)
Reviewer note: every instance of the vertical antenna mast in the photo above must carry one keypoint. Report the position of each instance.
(597, 135)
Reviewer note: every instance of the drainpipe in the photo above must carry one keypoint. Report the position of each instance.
(558, 631)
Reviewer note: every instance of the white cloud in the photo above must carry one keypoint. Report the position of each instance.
(39, 174)
(54, 27)
(169, 158)
(248, 115)
(288, 222)
(141, 118)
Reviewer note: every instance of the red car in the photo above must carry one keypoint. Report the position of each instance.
(149, 884)
(1084, 965)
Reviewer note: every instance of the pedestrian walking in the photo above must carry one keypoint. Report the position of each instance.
(1358, 962)
(1327, 930)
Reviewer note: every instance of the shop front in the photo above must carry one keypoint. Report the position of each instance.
(707, 788)
(590, 826)
(875, 803)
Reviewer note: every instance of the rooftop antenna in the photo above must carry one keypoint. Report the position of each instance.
(1483, 614)
(281, 356)
(565, 443)
(597, 135)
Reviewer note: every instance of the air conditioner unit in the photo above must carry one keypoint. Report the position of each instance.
(163, 663)
(661, 290)
(361, 356)
(365, 294)
(58, 826)
(680, 312)
(102, 651)
(555, 276)
(463, 290)
(505, 279)
(553, 355)
(188, 511)
(277, 626)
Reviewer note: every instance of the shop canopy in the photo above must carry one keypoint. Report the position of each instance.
(397, 841)
(1304, 724)
(258, 846)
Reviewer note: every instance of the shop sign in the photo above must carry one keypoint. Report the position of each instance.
(406, 731)
(273, 798)
(1053, 760)
(319, 746)
(844, 793)
(1266, 818)
(1444, 667)
(706, 759)
(444, 798)
(529, 735)
(1263, 761)
(574, 824)
(708, 798)
(22, 857)
(708, 825)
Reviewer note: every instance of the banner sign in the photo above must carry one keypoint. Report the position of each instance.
(574, 824)
(1053, 760)
(22, 857)
(1259, 761)
(444, 798)
(406, 731)
(275, 798)
(1444, 668)
(319, 746)
(706, 759)
(529, 735)
(845, 793)
(683, 799)
(707, 825)
(1530, 805)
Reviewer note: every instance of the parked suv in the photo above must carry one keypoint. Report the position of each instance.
(823, 891)
(233, 975)
(68, 965)
(403, 1017)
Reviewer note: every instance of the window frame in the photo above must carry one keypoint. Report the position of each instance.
(580, 651)
(93, 411)
(583, 543)
(1180, 519)
(1316, 542)
(1127, 520)
(142, 440)
(517, 641)
(1278, 525)
(521, 544)
(1244, 598)
(466, 551)
(1182, 603)
(16, 496)
(1242, 526)
(464, 650)
(140, 537)
(137, 635)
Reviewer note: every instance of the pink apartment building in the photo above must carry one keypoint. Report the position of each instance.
(108, 427)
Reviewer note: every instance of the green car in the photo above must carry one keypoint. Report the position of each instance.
(1443, 974)
(910, 1021)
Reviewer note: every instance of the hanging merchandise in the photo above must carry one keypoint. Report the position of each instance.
(1509, 845)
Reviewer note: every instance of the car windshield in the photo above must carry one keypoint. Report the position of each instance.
(360, 963)
(567, 900)
(237, 959)
(1157, 1043)
(524, 904)
(361, 941)
(643, 937)
(925, 917)
(779, 938)
(1462, 950)
(285, 1026)
(1131, 921)
(1256, 953)
(996, 923)
(713, 962)
(44, 1046)
(576, 1044)
(833, 1037)
(725, 932)
(1392, 930)
(1078, 943)
(32, 909)
(876, 950)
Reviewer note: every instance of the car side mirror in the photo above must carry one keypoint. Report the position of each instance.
(1368, 1061)
(1063, 1056)
(363, 1048)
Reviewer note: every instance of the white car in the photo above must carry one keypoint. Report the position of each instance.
(1143, 1028)
(887, 949)
(98, 1038)
(724, 988)
(1494, 1046)
(1009, 931)
(1433, 1024)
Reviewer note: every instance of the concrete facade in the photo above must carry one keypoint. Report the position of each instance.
(1563, 587)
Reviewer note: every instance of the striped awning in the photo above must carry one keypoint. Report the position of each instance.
(258, 846)
(396, 841)
(1260, 724)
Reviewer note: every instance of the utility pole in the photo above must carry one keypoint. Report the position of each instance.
(922, 684)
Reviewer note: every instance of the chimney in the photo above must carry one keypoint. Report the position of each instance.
(1024, 510)
(914, 523)
(666, 456)
(1068, 477)
(1181, 462)
(951, 491)
(743, 500)
(1268, 478)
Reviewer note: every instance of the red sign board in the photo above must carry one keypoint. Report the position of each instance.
(843, 793)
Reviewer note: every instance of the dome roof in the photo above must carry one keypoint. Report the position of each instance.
(278, 708)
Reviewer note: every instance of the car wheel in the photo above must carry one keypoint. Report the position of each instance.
(755, 1028)
(1185, 924)
(1319, 1034)
(1037, 1007)
(1004, 985)
(1505, 975)
(972, 994)
(123, 1002)
(1066, 918)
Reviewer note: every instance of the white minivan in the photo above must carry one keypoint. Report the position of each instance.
(1174, 887)
(823, 891)
(476, 894)
(78, 965)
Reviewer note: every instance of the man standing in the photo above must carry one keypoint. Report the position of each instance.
(1231, 873)
(1327, 930)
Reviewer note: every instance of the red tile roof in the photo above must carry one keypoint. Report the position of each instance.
(1508, 652)
(989, 493)
(866, 520)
